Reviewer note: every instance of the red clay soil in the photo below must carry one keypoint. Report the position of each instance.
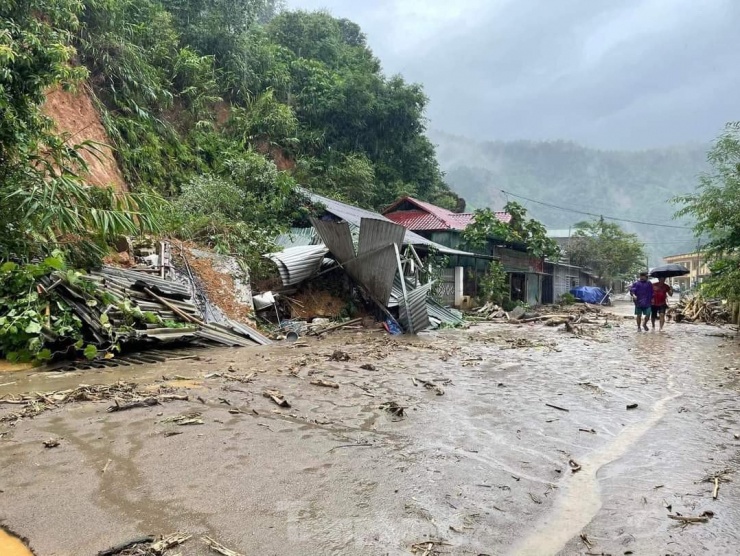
(310, 303)
(74, 113)
(219, 288)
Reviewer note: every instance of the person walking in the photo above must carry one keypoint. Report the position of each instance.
(641, 293)
(660, 302)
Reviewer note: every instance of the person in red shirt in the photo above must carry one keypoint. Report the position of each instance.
(661, 291)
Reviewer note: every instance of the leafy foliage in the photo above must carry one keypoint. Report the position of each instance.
(494, 285)
(44, 203)
(28, 319)
(716, 207)
(519, 230)
(606, 249)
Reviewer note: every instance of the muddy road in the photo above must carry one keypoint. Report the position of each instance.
(480, 462)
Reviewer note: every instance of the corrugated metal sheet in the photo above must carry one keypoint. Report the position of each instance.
(415, 316)
(354, 215)
(432, 217)
(442, 314)
(297, 264)
(378, 233)
(249, 332)
(375, 271)
(337, 237)
(167, 287)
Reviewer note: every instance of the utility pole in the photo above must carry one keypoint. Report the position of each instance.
(698, 261)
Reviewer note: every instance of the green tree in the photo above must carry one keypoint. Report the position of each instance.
(519, 230)
(494, 285)
(716, 207)
(606, 249)
(44, 202)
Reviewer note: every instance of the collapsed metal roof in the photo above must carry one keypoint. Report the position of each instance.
(297, 264)
(353, 215)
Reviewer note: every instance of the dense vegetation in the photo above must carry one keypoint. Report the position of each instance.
(607, 249)
(216, 110)
(716, 207)
(629, 185)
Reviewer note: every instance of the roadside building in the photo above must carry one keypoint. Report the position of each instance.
(525, 272)
(698, 269)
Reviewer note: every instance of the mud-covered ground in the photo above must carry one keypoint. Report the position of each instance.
(482, 468)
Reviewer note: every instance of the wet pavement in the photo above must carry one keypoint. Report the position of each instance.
(481, 469)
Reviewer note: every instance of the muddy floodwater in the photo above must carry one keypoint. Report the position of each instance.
(499, 439)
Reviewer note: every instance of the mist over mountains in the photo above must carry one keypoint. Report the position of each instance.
(633, 185)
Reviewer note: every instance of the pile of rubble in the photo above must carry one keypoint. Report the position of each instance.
(121, 308)
(553, 315)
(700, 309)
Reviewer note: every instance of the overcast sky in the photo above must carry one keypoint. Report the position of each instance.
(605, 73)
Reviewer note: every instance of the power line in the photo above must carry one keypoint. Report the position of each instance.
(598, 215)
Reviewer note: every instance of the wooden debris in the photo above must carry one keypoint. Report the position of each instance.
(146, 402)
(557, 407)
(703, 518)
(51, 443)
(117, 549)
(219, 548)
(122, 392)
(368, 367)
(276, 397)
(700, 309)
(185, 419)
(575, 467)
(431, 386)
(170, 541)
(632, 406)
(586, 541)
(716, 488)
(325, 383)
(393, 408)
(338, 326)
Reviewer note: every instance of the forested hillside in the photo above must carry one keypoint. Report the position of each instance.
(216, 110)
(632, 185)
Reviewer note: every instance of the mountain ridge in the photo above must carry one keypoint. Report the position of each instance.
(625, 184)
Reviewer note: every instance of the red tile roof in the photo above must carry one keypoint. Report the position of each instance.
(426, 216)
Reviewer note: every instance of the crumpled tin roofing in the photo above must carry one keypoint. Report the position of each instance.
(297, 264)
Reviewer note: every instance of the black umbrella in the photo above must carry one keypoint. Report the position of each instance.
(669, 271)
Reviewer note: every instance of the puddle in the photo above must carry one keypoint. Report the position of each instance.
(12, 546)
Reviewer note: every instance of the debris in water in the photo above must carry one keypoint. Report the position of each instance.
(574, 466)
(592, 431)
(325, 383)
(276, 397)
(219, 548)
(432, 386)
(148, 546)
(51, 443)
(715, 493)
(632, 406)
(339, 355)
(371, 367)
(556, 407)
(393, 408)
(133, 543)
(185, 419)
(535, 498)
(586, 541)
(703, 518)
(38, 402)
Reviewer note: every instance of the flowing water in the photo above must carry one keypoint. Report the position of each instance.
(483, 467)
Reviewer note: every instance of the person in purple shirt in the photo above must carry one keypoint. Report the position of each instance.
(642, 295)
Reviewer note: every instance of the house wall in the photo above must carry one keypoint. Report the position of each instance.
(564, 279)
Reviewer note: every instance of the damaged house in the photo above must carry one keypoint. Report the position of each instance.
(383, 258)
(525, 272)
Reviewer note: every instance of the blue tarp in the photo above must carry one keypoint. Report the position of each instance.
(589, 294)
